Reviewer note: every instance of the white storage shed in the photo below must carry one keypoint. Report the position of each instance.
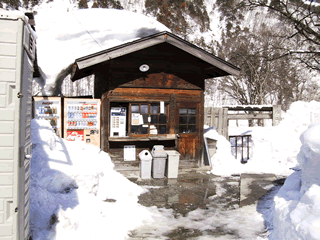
(17, 55)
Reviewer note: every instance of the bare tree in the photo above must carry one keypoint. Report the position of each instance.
(299, 17)
(265, 78)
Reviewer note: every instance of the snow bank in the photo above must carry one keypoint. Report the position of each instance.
(297, 204)
(223, 162)
(274, 149)
(65, 33)
(69, 182)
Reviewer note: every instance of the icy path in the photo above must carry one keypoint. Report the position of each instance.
(203, 207)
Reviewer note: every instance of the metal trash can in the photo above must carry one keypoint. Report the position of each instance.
(172, 164)
(159, 161)
(145, 164)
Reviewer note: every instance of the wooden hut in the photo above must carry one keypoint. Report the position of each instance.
(160, 81)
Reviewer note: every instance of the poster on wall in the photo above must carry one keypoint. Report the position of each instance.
(129, 153)
(49, 109)
(75, 135)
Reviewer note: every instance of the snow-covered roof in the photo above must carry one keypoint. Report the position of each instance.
(66, 36)
(13, 15)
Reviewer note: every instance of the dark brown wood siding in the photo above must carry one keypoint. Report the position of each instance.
(153, 90)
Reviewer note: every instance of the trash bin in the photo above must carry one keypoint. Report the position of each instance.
(145, 164)
(172, 164)
(159, 161)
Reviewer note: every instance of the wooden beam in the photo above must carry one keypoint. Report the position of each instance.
(249, 108)
(117, 52)
(250, 116)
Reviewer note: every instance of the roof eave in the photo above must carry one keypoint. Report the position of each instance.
(130, 47)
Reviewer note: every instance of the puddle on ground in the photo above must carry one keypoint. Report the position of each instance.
(212, 195)
(189, 192)
(185, 194)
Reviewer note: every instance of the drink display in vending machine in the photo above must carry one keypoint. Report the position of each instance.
(49, 109)
(82, 120)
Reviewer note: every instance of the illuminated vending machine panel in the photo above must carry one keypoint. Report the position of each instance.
(118, 122)
(82, 120)
(49, 108)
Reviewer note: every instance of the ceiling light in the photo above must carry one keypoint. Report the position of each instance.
(144, 68)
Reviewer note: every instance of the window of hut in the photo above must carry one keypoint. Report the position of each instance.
(187, 120)
(146, 119)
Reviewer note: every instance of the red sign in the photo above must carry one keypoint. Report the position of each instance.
(75, 135)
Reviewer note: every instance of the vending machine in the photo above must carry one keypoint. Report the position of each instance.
(49, 108)
(118, 122)
(82, 120)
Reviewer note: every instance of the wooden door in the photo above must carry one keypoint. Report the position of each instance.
(188, 129)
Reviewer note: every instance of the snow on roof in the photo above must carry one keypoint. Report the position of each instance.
(13, 15)
(66, 36)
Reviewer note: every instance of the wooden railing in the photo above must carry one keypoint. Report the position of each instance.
(219, 117)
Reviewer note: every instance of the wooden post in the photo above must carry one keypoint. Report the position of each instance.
(212, 117)
(276, 115)
(241, 148)
(225, 123)
(248, 147)
(236, 142)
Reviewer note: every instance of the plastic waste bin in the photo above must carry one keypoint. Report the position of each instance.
(159, 156)
(145, 164)
(173, 164)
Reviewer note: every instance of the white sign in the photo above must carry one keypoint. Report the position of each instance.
(129, 153)
(162, 107)
(135, 119)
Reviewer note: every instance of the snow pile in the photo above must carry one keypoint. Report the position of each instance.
(69, 181)
(274, 149)
(223, 162)
(297, 204)
(65, 33)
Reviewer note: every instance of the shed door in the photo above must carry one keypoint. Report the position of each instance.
(188, 129)
(25, 148)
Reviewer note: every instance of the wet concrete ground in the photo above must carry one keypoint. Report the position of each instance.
(191, 191)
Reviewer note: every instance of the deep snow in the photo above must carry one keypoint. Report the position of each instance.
(297, 204)
(294, 143)
(71, 180)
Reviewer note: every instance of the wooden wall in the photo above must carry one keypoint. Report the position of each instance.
(153, 88)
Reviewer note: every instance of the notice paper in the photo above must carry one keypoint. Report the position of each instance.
(141, 120)
(135, 117)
